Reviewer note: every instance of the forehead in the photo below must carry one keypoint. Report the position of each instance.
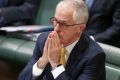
(64, 11)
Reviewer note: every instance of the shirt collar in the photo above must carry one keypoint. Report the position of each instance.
(71, 46)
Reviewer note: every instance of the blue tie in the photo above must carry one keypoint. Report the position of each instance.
(89, 3)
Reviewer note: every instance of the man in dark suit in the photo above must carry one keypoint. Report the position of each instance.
(104, 21)
(84, 59)
(18, 12)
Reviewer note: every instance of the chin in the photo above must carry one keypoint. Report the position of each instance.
(61, 41)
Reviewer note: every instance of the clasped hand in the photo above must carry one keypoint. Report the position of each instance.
(52, 49)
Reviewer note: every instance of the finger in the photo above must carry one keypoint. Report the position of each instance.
(49, 40)
(49, 43)
(46, 44)
(52, 43)
(57, 40)
(45, 52)
(54, 39)
(54, 35)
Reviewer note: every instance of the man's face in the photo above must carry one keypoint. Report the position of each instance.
(64, 15)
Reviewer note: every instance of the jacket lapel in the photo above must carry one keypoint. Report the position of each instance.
(76, 55)
(48, 73)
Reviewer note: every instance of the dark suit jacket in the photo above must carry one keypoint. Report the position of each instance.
(104, 21)
(86, 62)
(21, 11)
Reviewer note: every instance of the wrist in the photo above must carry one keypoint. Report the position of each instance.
(41, 63)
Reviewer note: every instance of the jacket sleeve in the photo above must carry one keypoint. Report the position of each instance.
(26, 74)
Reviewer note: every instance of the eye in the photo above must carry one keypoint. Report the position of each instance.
(62, 24)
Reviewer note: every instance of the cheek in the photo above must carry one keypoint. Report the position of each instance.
(71, 34)
(65, 36)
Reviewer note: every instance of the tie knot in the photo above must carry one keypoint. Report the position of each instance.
(63, 50)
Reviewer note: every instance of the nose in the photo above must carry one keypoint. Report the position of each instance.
(57, 28)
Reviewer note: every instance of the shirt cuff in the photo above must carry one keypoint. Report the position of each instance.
(57, 71)
(36, 71)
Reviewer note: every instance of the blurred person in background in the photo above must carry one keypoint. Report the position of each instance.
(104, 21)
(17, 12)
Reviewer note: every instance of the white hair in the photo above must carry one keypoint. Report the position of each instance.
(81, 11)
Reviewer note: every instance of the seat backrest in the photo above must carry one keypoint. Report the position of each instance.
(46, 11)
(112, 54)
(15, 50)
(112, 73)
(112, 61)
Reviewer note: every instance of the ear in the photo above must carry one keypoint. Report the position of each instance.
(81, 28)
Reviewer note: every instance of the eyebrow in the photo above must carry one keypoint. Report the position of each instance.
(62, 21)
